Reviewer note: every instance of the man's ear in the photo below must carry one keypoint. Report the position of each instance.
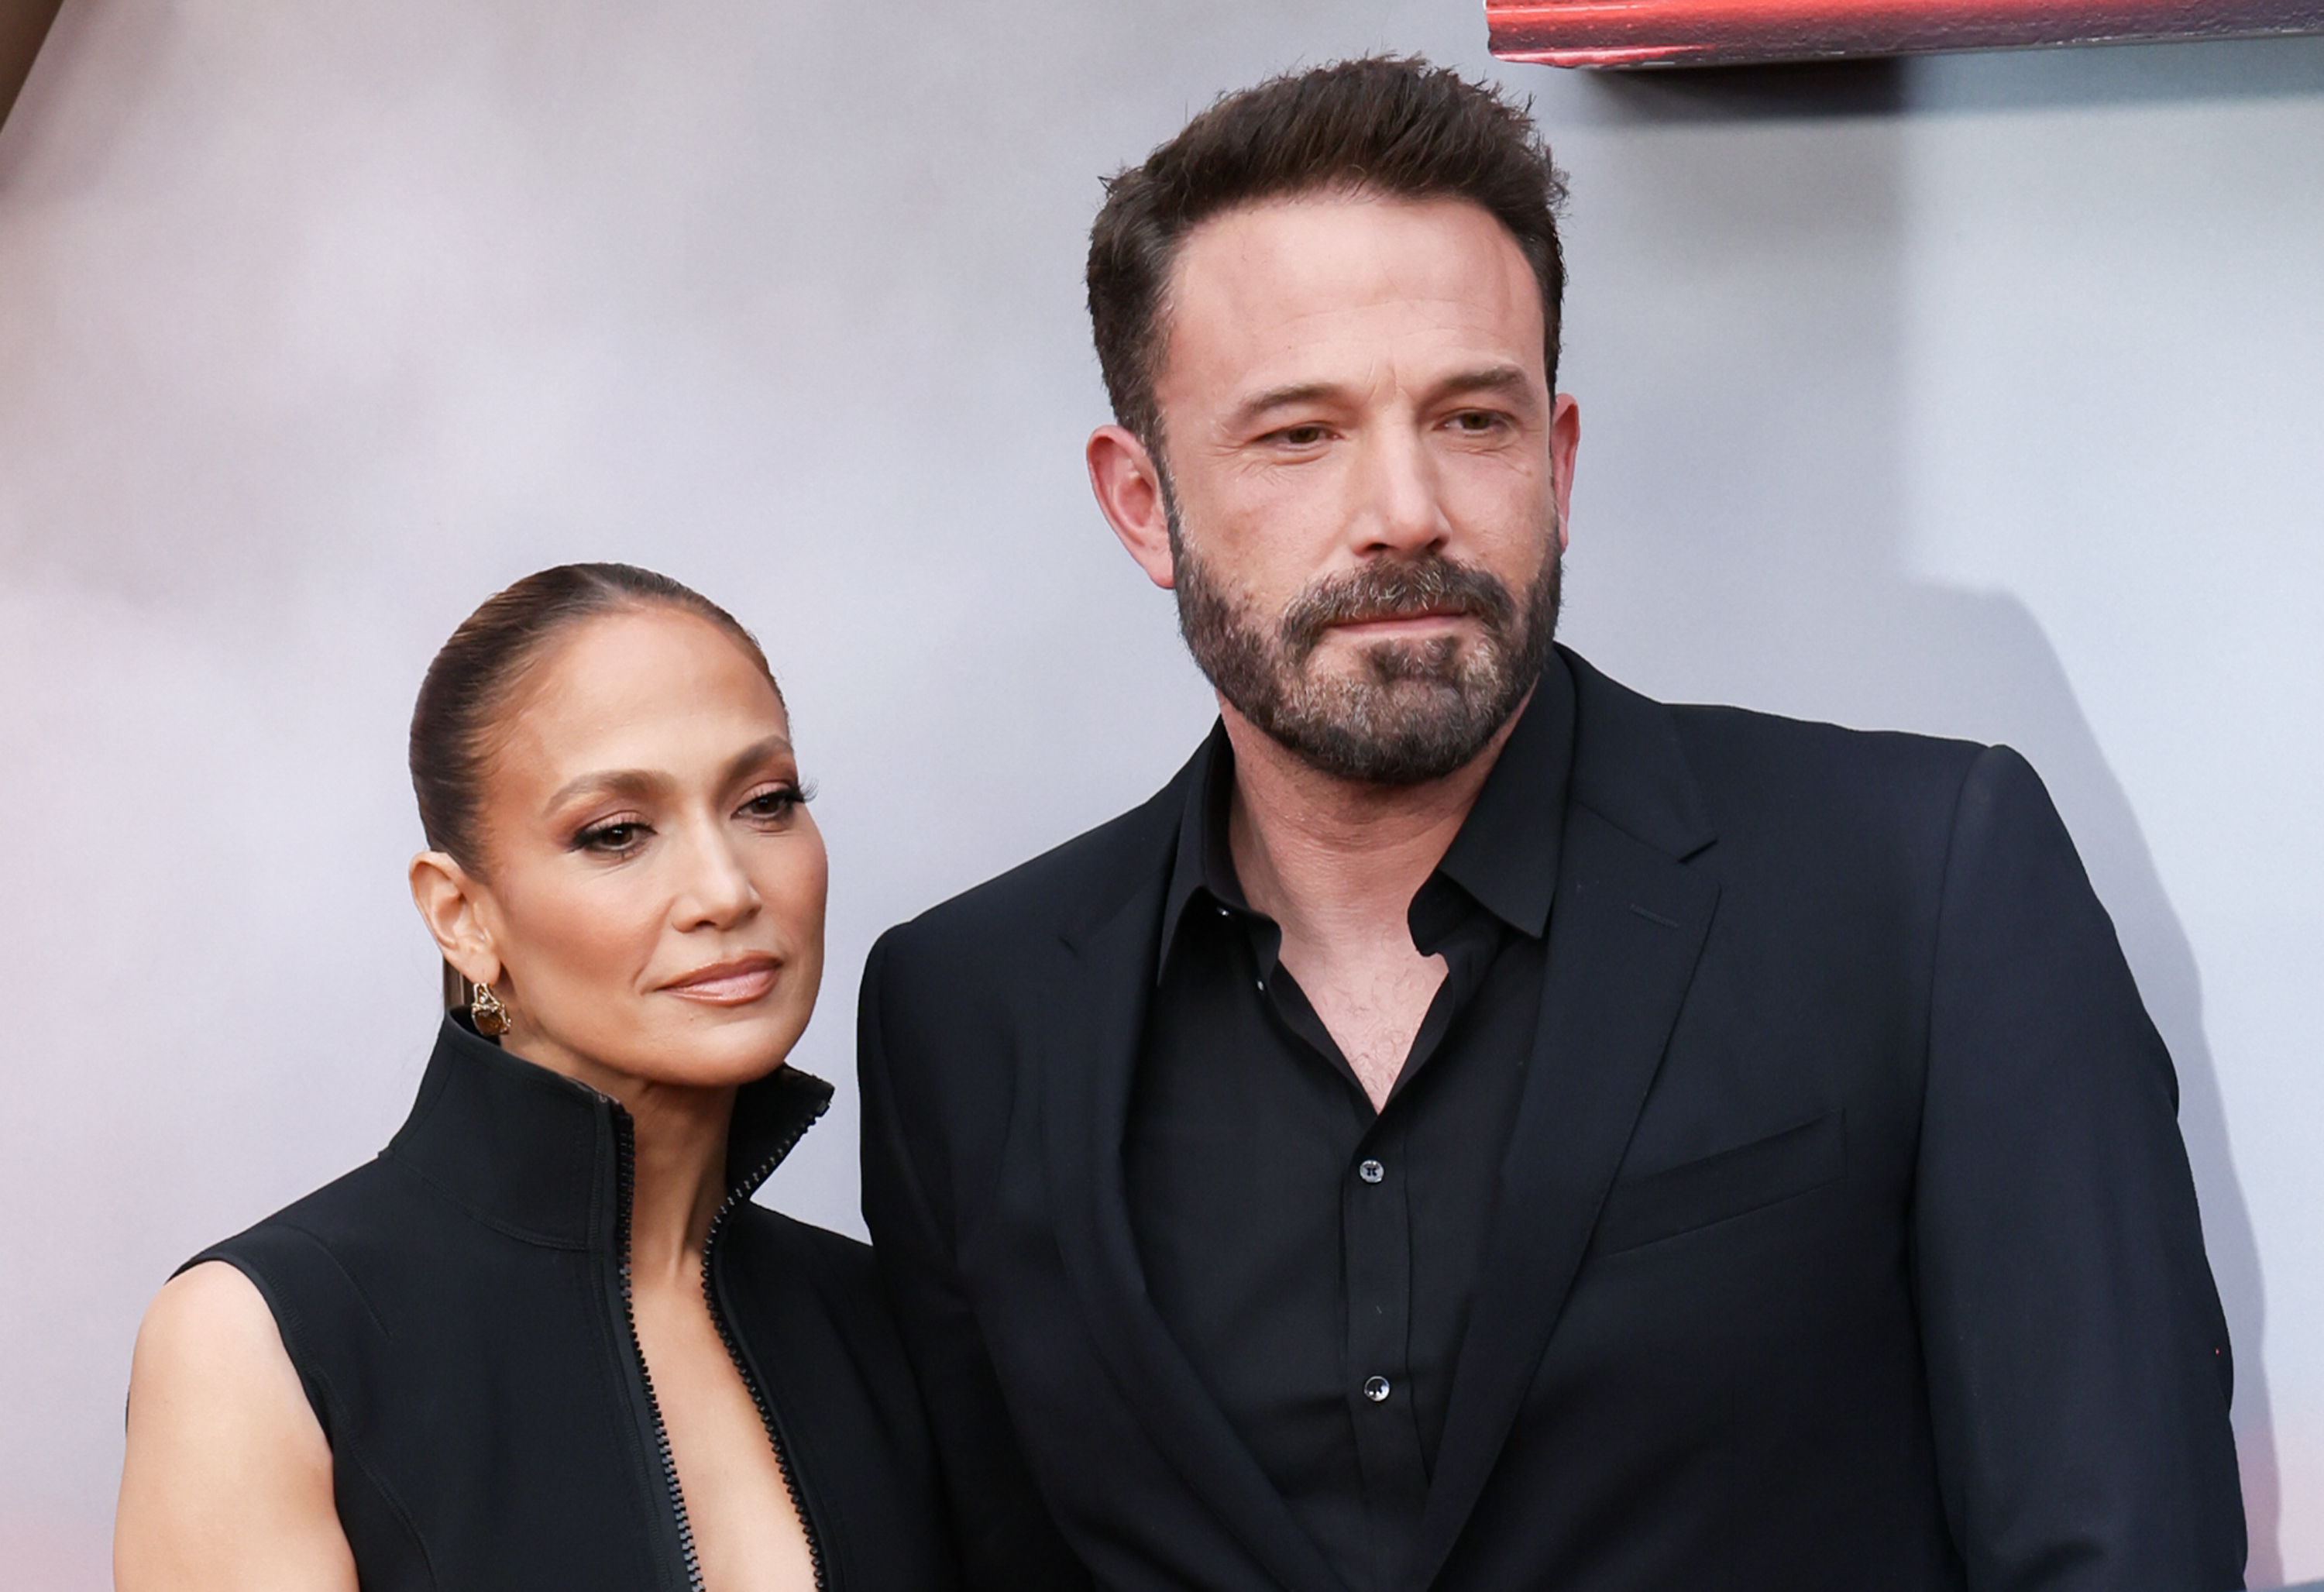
(447, 896)
(1564, 442)
(1129, 487)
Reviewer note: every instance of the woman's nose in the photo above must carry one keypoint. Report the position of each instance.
(718, 889)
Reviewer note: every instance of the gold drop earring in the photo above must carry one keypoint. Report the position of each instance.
(486, 1011)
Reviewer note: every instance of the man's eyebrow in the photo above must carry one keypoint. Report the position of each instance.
(1276, 397)
(1497, 378)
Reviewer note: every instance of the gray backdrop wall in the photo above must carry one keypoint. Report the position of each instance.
(1978, 396)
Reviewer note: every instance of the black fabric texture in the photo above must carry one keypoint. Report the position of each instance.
(455, 1312)
(1841, 1233)
(1297, 1244)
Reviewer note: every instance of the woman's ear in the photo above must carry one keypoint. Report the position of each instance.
(447, 896)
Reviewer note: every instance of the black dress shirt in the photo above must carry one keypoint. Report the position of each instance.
(1314, 1259)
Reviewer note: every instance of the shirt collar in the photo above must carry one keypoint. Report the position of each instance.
(1202, 862)
(1504, 856)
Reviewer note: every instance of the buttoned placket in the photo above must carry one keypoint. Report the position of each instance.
(1375, 1201)
(1376, 1246)
(1390, 1366)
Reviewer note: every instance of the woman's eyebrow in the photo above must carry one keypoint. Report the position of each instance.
(634, 783)
(640, 783)
(749, 756)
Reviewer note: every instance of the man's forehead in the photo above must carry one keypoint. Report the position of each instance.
(1345, 236)
(1260, 290)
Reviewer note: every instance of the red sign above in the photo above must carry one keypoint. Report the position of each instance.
(1727, 32)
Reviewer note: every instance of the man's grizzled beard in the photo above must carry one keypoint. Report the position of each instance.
(1414, 710)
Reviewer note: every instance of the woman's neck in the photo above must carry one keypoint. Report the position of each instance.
(679, 1156)
(680, 1176)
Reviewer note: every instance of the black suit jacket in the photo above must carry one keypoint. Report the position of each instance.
(1844, 1240)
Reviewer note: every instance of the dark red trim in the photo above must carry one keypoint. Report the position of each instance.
(1719, 32)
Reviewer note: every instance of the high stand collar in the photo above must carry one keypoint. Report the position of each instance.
(534, 1154)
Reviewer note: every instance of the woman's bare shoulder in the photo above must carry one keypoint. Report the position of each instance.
(226, 1480)
(209, 1315)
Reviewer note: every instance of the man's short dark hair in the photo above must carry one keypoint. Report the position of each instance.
(1389, 125)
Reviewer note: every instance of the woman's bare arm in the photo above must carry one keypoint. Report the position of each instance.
(227, 1484)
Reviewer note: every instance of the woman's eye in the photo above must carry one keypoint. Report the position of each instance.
(611, 839)
(776, 803)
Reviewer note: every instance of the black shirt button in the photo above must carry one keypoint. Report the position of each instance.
(1377, 1390)
(1371, 1171)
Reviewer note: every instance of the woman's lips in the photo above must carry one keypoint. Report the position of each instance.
(736, 983)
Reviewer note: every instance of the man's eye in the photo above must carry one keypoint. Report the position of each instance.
(1476, 421)
(1301, 436)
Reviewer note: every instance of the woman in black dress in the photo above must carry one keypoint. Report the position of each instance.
(545, 1340)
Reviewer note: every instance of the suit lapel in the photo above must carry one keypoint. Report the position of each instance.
(1096, 1017)
(1625, 929)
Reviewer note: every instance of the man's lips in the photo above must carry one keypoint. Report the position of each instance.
(1421, 620)
(737, 981)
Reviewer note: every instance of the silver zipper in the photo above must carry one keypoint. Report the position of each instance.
(737, 1197)
(627, 1189)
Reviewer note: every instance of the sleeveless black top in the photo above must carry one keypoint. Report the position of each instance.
(458, 1311)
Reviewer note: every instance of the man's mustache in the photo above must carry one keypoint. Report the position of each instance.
(1430, 583)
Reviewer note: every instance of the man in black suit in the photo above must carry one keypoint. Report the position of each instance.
(1478, 1128)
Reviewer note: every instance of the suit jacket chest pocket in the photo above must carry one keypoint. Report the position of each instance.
(1719, 1187)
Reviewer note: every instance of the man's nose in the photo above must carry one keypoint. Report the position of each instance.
(1404, 513)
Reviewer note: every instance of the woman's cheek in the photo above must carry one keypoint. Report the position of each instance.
(610, 934)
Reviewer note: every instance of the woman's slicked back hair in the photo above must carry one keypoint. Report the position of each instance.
(476, 673)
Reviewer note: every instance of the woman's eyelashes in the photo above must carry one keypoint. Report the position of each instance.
(769, 806)
(612, 837)
(774, 803)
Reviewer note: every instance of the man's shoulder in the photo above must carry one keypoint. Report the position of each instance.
(1719, 741)
(1733, 769)
(1838, 790)
(1727, 742)
(1072, 883)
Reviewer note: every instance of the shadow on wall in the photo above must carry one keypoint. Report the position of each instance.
(67, 37)
(24, 24)
(1759, 213)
